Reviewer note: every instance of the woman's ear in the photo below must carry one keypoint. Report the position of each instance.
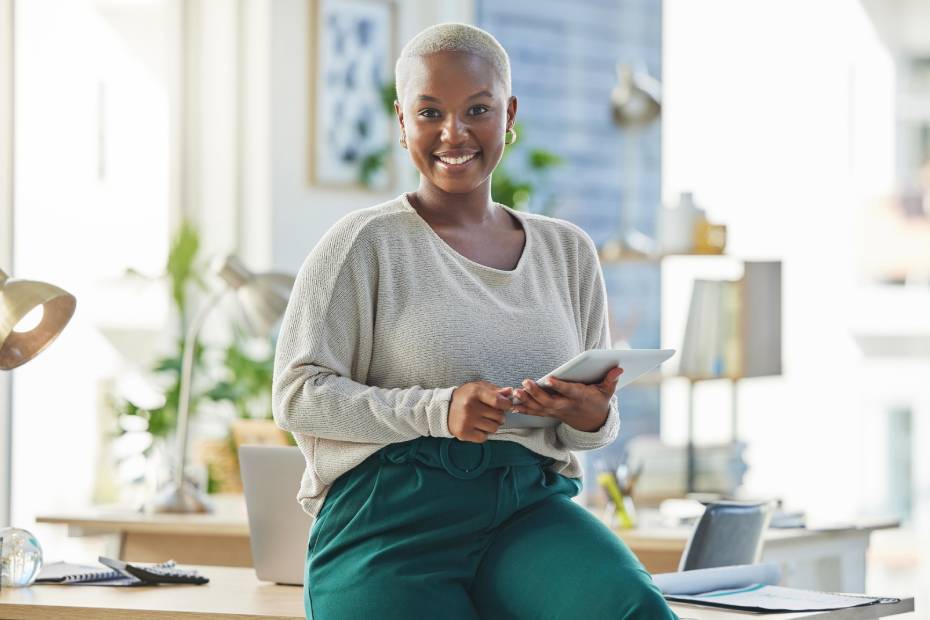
(511, 112)
(400, 113)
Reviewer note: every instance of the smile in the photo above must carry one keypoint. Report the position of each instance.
(456, 161)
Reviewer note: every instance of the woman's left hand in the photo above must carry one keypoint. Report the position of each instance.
(581, 406)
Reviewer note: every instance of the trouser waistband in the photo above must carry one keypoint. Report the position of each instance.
(461, 459)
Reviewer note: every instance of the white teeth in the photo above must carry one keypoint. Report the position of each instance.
(457, 160)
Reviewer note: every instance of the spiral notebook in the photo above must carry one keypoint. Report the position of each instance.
(65, 573)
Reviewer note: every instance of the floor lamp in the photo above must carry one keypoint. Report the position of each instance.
(263, 299)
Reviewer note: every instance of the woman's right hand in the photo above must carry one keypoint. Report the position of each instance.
(477, 410)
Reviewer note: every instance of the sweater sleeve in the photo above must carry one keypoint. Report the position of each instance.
(596, 334)
(324, 351)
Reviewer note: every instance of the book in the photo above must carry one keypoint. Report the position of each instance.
(116, 573)
(65, 573)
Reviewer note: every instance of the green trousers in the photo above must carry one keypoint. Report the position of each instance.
(444, 529)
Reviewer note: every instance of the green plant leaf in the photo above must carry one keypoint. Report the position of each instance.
(541, 160)
(180, 268)
(388, 97)
(371, 164)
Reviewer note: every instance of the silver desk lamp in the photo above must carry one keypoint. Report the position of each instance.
(263, 299)
(17, 299)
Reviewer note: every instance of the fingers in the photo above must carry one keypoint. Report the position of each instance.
(609, 384)
(494, 399)
(565, 388)
(476, 436)
(612, 376)
(574, 390)
(538, 394)
(486, 425)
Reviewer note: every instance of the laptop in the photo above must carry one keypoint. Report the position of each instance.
(278, 527)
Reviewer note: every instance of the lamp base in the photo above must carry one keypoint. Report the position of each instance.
(186, 499)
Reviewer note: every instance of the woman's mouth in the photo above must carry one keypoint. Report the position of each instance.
(455, 162)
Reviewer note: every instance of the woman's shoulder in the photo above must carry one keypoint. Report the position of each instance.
(370, 219)
(560, 233)
(364, 225)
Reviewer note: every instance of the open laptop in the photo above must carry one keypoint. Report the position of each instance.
(278, 527)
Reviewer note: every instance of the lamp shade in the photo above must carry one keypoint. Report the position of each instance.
(262, 297)
(17, 299)
(636, 99)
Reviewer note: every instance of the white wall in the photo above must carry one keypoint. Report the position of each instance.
(93, 197)
(211, 124)
(778, 114)
(301, 213)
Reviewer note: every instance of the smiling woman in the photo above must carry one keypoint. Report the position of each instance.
(410, 333)
(454, 111)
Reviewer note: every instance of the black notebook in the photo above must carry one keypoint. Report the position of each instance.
(121, 574)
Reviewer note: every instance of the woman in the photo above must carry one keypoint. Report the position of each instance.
(408, 336)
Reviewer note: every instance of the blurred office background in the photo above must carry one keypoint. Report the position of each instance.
(803, 128)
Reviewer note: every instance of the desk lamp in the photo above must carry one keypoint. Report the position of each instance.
(263, 299)
(17, 299)
(20, 552)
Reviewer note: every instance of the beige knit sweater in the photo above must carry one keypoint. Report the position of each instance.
(386, 320)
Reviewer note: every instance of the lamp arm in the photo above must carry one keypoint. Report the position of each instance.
(187, 371)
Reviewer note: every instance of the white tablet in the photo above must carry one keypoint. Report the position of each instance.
(591, 367)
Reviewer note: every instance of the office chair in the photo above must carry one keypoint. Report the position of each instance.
(728, 533)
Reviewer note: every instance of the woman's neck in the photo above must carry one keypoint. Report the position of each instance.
(444, 209)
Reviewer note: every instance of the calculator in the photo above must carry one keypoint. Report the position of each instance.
(166, 572)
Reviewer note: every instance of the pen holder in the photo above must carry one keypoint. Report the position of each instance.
(620, 510)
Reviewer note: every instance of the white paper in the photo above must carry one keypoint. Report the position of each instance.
(723, 578)
(775, 598)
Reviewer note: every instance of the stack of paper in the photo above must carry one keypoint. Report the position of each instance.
(752, 588)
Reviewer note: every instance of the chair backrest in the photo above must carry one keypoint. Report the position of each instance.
(728, 534)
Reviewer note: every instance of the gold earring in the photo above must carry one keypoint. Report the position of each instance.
(510, 136)
(403, 141)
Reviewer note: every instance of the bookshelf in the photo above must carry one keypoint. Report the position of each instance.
(723, 314)
(733, 307)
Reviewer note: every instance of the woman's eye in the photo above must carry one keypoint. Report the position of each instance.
(430, 113)
(475, 110)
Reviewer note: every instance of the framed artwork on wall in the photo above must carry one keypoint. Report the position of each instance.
(351, 63)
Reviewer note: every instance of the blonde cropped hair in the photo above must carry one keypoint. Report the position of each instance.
(452, 37)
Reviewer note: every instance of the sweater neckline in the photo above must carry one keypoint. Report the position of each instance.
(527, 241)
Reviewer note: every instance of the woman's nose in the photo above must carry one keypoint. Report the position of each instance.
(454, 130)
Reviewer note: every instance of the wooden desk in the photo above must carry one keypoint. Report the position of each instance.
(820, 560)
(220, 538)
(235, 594)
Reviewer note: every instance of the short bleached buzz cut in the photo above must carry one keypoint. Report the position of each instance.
(452, 37)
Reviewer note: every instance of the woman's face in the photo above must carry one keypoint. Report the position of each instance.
(454, 115)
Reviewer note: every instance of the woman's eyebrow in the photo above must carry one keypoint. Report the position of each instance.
(483, 93)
